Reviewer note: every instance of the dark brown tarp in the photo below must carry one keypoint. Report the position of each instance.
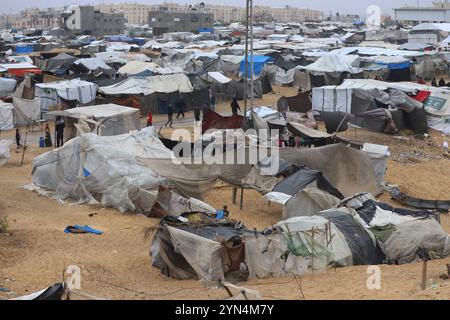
(299, 103)
(213, 120)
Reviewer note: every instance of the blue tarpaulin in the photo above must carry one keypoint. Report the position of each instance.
(24, 49)
(396, 66)
(126, 39)
(258, 64)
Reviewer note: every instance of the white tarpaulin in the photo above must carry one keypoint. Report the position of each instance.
(72, 90)
(4, 152)
(218, 77)
(7, 87)
(93, 64)
(99, 169)
(26, 111)
(150, 85)
(6, 116)
(136, 67)
(332, 98)
(334, 64)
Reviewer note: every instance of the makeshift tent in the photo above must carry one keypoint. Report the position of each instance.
(140, 67)
(104, 120)
(76, 90)
(350, 171)
(20, 70)
(258, 64)
(204, 250)
(61, 60)
(334, 64)
(92, 64)
(149, 85)
(6, 116)
(26, 111)
(304, 193)
(332, 98)
(99, 169)
(7, 87)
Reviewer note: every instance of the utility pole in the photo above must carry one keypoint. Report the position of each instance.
(246, 56)
(248, 36)
(251, 55)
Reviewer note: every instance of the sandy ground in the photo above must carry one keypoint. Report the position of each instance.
(116, 264)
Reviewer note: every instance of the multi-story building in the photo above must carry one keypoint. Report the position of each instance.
(87, 20)
(137, 13)
(39, 19)
(190, 21)
(438, 13)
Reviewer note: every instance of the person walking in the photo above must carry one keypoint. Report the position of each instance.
(59, 128)
(212, 99)
(235, 106)
(196, 115)
(19, 145)
(169, 116)
(180, 105)
(149, 119)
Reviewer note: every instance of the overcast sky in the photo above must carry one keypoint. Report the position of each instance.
(341, 6)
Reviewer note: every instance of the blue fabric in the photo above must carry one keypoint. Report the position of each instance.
(85, 228)
(219, 214)
(24, 49)
(86, 173)
(258, 64)
(396, 66)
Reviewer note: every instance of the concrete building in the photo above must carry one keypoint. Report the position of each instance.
(88, 21)
(137, 13)
(438, 13)
(39, 19)
(165, 21)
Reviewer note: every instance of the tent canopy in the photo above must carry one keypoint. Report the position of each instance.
(150, 85)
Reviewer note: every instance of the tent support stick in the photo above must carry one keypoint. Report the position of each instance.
(242, 198)
(424, 274)
(234, 195)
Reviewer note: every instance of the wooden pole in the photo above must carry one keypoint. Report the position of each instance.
(424, 274)
(242, 198)
(234, 195)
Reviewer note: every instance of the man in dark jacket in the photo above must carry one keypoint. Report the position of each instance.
(180, 105)
(235, 106)
(169, 115)
(59, 128)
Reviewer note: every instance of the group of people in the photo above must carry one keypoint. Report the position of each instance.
(59, 132)
(180, 106)
(441, 82)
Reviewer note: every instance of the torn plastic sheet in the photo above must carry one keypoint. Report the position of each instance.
(439, 205)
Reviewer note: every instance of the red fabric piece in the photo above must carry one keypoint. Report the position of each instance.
(421, 96)
(213, 120)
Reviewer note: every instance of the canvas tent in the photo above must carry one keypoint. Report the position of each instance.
(26, 111)
(7, 87)
(104, 120)
(150, 85)
(6, 116)
(52, 94)
(104, 170)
